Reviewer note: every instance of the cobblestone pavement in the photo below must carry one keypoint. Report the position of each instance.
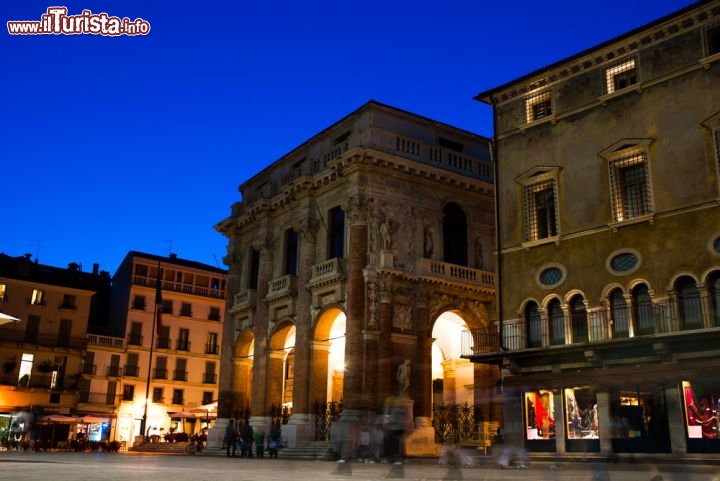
(165, 467)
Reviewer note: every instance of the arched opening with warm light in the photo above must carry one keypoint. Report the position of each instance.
(328, 356)
(452, 377)
(281, 365)
(242, 371)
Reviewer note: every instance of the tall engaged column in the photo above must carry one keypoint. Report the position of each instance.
(357, 260)
(303, 337)
(422, 392)
(259, 407)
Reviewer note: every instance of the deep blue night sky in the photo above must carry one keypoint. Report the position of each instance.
(112, 144)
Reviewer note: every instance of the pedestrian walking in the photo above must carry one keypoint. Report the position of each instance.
(260, 444)
(274, 440)
(247, 435)
(230, 438)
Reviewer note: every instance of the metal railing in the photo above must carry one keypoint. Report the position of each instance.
(172, 286)
(325, 414)
(647, 320)
(458, 422)
(45, 339)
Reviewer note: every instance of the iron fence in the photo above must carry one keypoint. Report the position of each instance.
(325, 414)
(459, 422)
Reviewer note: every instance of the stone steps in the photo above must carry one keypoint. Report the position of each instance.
(160, 448)
(310, 450)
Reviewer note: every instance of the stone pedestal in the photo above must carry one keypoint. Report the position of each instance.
(299, 429)
(421, 441)
(386, 259)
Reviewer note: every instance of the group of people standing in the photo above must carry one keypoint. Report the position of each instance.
(242, 436)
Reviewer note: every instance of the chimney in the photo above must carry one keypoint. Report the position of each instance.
(96, 268)
(173, 255)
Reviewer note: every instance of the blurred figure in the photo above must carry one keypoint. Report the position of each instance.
(397, 423)
(600, 471)
(247, 435)
(512, 453)
(274, 440)
(230, 438)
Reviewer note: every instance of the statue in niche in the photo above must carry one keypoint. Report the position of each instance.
(403, 376)
(385, 235)
(373, 235)
(429, 244)
(478, 254)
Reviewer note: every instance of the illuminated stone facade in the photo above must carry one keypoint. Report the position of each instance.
(609, 245)
(343, 256)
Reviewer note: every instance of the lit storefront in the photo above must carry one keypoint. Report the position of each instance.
(701, 402)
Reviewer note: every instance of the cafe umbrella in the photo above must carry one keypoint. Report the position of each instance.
(56, 419)
(7, 319)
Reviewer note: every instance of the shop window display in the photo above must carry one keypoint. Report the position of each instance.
(539, 415)
(701, 409)
(581, 407)
(638, 420)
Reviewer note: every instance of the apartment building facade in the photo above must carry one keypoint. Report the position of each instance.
(367, 246)
(42, 353)
(609, 249)
(163, 366)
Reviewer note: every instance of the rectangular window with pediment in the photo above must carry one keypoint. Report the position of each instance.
(540, 210)
(630, 187)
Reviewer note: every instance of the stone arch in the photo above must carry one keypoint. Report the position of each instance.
(572, 293)
(636, 282)
(678, 275)
(450, 373)
(525, 302)
(280, 363)
(708, 272)
(607, 290)
(328, 351)
(243, 362)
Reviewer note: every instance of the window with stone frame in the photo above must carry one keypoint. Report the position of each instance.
(540, 210)
(712, 39)
(128, 392)
(177, 397)
(630, 191)
(620, 76)
(158, 395)
(538, 105)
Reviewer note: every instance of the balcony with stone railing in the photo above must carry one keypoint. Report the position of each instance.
(328, 271)
(244, 300)
(469, 158)
(105, 341)
(445, 272)
(285, 286)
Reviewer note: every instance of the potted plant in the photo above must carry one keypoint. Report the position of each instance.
(45, 367)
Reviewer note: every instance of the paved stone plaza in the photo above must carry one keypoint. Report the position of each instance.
(156, 467)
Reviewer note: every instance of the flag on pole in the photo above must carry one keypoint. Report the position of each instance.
(158, 306)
